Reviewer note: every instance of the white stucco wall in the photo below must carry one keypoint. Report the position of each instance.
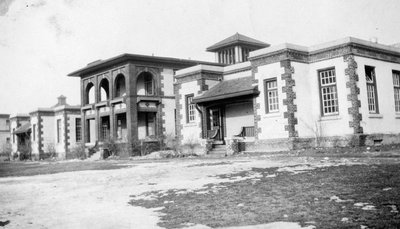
(59, 146)
(72, 129)
(237, 75)
(237, 116)
(190, 131)
(169, 117)
(35, 132)
(272, 124)
(13, 139)
(387, 121)
(49, 132)
(168, 82)
(310, 119)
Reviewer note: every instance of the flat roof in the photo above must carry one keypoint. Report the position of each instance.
(96, 65)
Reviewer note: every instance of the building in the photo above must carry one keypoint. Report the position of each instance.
(129, 98)
(52, 131)
(345, 92)
(20, 132)
(55, 130)
(4, 132)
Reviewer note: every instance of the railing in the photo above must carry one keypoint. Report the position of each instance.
(247, 131)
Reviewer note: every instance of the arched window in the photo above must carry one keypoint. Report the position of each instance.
(89, 94)
(145, 84)
(104, 90)
(120, 89)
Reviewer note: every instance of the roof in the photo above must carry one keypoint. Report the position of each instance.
(237, 39)
(325, 46)
(228, 89)
(99, 64)
(23, 129)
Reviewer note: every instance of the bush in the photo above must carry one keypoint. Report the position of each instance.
(6, 151)
(50, 151)
(78, 152)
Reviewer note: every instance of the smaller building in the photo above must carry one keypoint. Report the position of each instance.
(20, 133)
(45, 132)
(4, 132)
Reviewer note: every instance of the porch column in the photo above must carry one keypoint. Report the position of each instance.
(83, 127)
(204, 121)
(131, 106)
(112, 122)
(97, 124)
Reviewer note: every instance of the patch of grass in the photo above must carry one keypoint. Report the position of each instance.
(303, 197)
(8, 169)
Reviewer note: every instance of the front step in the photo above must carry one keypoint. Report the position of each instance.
(218, 150)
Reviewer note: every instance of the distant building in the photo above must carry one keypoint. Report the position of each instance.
(20, 132)
(54, 130)
(345, 92)
(4, 131)
(129, 98)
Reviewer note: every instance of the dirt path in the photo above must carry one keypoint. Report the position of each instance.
(99, 199)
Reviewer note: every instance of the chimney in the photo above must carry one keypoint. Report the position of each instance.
(374, 39)
(62, 100)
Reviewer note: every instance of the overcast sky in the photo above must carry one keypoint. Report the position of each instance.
(41, 41)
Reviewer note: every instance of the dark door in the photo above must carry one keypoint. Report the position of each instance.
(216, 123)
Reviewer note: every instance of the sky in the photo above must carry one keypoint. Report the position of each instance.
(41, 41)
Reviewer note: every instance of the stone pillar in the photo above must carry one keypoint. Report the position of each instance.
(131, 106)
(97, 123)
(83, 127)
(112, 122)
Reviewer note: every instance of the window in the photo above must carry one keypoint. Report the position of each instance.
(13, 135)
(190, 112)
(34, 132)
(371, 89)
(328, 92)
(396, 85)
(78, 130)
(148, 85)
(271, 96)
(58, 130)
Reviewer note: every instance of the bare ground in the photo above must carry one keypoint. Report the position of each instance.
(265, 190)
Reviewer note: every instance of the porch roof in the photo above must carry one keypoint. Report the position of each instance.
(228, 89)
(23, 129)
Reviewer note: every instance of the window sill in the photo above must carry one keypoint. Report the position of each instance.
(375, 116)
(331, 117)
(190, 124)
(272, 115)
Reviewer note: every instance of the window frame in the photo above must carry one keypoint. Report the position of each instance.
(375, 90)
(187, 107)
(58, 130)
(266, 97)
(78, 131)
(396, 87)
(321, 95)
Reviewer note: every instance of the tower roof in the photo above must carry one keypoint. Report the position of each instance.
(237, 39)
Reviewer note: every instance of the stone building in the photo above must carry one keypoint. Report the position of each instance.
(4, 132)
(345, 92)
(53, 130)
(20, 132)
(129, 97)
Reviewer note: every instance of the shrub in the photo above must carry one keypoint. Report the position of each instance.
(78, 152)
(50, 151)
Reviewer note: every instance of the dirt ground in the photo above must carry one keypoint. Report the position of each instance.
(103, 198)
